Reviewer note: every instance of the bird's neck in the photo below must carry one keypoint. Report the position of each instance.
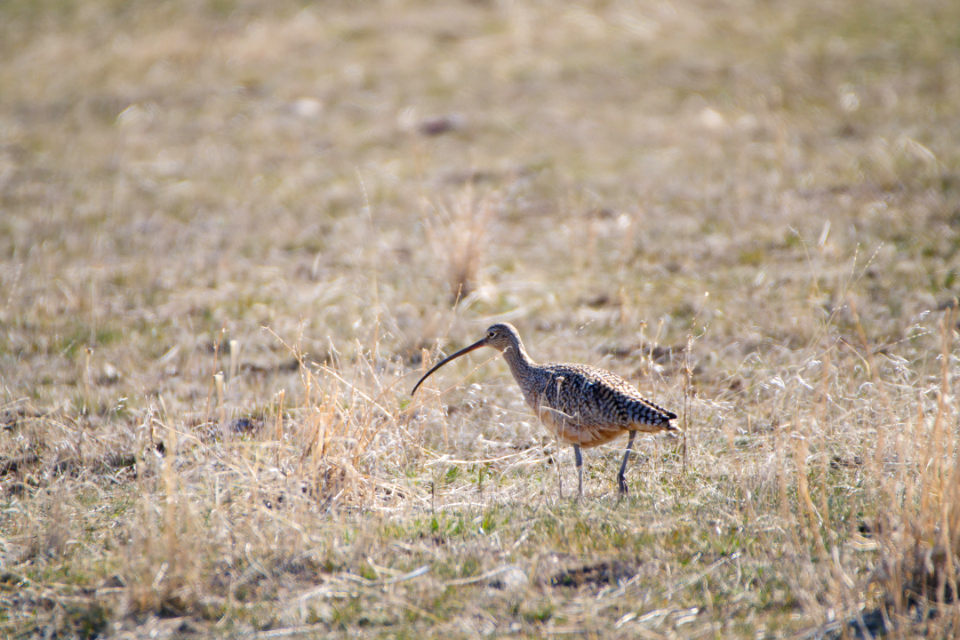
(516, 356)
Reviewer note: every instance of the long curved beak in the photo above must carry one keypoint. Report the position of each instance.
(475, 345)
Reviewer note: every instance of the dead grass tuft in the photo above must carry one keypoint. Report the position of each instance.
(920, 534)
(459, 235)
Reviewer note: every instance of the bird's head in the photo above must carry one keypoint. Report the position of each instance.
(500, 336)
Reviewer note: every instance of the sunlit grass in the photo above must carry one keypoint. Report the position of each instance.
(747, 210)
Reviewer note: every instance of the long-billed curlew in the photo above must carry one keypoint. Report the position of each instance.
(583, 406)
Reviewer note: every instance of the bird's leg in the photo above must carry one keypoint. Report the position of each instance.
(559, 477)
(621, 481)
(579, 458)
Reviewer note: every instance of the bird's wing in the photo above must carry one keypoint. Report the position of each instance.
(593, 396)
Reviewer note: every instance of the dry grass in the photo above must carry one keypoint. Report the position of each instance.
(233, 233)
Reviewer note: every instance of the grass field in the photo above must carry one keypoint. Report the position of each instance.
(233, 234)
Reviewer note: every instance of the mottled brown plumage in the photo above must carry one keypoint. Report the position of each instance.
(583, 406)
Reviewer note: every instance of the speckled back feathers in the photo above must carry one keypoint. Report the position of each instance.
(590, 396)
(582, 404)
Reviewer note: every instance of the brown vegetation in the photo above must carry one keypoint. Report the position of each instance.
(232, 233)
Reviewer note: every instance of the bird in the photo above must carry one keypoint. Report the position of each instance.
(582, 405)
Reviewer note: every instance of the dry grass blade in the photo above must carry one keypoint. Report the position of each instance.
(459, 235)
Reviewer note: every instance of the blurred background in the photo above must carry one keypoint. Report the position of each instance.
(167, 171)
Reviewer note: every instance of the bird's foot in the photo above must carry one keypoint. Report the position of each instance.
(622, 486)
